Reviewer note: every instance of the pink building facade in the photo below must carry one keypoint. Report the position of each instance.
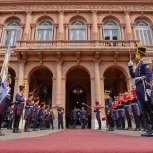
(69, 52)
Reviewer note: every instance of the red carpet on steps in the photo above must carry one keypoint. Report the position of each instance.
(79, 141)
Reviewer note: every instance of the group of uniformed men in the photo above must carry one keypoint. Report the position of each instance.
(136, 105)
(35, 114)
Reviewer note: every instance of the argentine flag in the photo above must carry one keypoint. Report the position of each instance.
(4, 75)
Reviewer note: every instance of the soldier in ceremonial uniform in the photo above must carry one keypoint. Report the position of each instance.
(4, 103)
(115, 114)
(18, 108)
(108, 110)
(97, 111)
(143, 78)
(135, 110)
(28, 111)
(11, 116)
(74, 115)
(42, 114)
(127, 108)
(60, 111)
(121, 111)
(35, 113)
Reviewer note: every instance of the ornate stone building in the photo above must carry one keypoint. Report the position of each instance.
(69, 51)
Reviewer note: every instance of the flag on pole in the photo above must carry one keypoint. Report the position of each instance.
(4, 74)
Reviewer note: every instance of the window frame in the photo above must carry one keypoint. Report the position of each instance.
(39, 27)
(78, 30)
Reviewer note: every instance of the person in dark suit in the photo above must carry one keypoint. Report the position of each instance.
(74, 114)
(83, 117)
(60, 111)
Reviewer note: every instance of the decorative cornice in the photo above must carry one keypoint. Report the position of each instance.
(73, 7)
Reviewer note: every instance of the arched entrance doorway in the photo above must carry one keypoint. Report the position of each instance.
(115, 80)
(78, 89)
(41, 84)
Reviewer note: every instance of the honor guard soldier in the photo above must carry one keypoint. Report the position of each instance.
(108, 110)
(42, 114)
(143, 78)
(121, 111)
(135, 110)
(28, 111)
(5, 101)
(97, 111)
(60, 111)
(10, 116)
(74, 115)
(18, 108)
(115, 114)
(35, 113)
(127, 108)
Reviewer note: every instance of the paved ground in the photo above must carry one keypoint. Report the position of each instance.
(10, 136)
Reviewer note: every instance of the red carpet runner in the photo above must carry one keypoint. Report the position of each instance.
(79, 141)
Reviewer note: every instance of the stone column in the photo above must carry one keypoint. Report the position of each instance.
(21, 72)
(33, 26)
(93, 121)
(64, 92)
(97, 82)
(67, 31)
(54, 91)
(26, 83)
(100, 32)
(89, 31)
(128, 26)
(1, 30)
(122, 31)
(55, 32)
(61, 26)
(94, 26)
(27, 29)
(58, 82)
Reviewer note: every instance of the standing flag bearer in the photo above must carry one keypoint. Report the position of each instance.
(5, 81)
(143, 78)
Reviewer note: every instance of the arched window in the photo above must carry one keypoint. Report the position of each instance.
(143, 32)
(11, 33)
(78, 30)
(111, 30)
(44, 30)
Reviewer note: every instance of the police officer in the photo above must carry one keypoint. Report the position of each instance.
(74, 115)
(97, 111)
(83, 117)
(28, 112)
(18, 108)
(60, 111)
(143, 78)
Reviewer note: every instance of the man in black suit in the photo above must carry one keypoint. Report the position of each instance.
(83, 117)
